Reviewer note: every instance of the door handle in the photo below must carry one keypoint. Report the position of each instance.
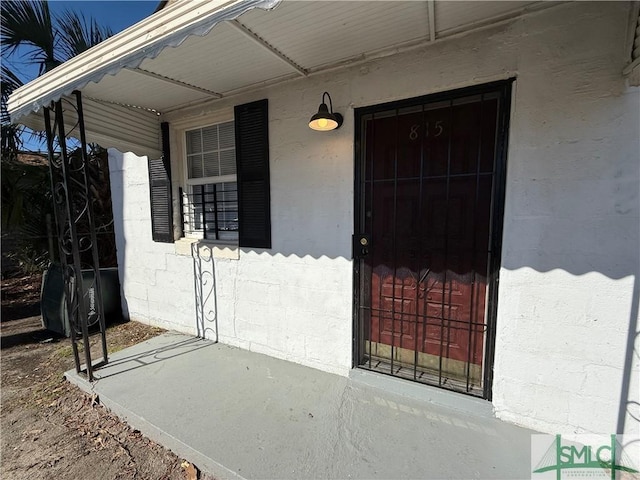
(361, 245)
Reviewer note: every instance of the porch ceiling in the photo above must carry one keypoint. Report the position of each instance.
(247, 47)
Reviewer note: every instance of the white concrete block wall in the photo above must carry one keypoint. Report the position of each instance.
(157, 285)
(571, 228)
(279, 305)
(283, 304)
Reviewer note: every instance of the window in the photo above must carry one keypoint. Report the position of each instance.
(226, 192)
(210, 200)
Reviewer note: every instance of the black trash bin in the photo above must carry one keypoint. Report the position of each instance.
(53, 302)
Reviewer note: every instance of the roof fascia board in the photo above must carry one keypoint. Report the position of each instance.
(146, 39)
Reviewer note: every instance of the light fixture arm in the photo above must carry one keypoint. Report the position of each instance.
(330, 102)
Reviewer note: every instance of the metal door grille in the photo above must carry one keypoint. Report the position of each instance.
(429, 203)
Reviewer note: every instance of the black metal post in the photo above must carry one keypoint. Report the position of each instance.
(92, 228)
(71, 187)
(58, 190)
(80, 312)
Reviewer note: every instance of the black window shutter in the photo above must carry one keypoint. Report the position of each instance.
(252, 159)
(160, 190)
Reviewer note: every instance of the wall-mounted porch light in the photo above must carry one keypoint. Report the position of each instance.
(325, 119)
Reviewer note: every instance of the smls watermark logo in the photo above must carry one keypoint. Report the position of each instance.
(585, 457)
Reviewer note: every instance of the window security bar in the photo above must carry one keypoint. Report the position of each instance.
(210, 211)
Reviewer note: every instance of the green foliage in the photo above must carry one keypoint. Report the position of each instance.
(29, 259)
(28, 23)
(77, 33)
(26, 201)
(24, 189)
(11, 134)
(29, 29)
(46, 40)
(99, 183)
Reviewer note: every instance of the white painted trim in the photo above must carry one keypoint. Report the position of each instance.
(180, 129)
(207, 180)
(431, 9)
(115, 53)
(178, 132)
(219, 249)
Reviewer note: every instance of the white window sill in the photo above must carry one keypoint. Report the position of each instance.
(185, 246)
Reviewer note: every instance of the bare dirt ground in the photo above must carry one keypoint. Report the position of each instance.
(49, 428)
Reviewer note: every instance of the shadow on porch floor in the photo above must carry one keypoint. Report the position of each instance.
(240, 414)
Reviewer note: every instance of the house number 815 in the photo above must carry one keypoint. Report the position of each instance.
(437, 130)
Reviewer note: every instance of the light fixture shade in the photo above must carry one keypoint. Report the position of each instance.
(325, 120)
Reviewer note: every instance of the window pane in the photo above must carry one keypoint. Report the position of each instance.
(194, 144)
(209, 196)
(210, 222)
(210, 138)
(211, 210)
(194, 165)
(211, 164)
(228, 215)
(227, 192)
(227, 162)
(227, 135)
(196, 208)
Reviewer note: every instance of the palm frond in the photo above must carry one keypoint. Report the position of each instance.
(11, 134)
(11, 141)
(77, 33)
(25, 197)
(9, 81)
(28, 23)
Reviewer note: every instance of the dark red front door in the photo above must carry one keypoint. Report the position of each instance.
(427, 188)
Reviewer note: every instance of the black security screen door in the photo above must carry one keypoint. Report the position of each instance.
(429, 196)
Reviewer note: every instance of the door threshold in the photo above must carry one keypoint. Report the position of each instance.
(459, 376)
(420, 391)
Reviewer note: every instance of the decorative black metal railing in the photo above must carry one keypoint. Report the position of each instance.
(70, 163)
(209, 212)
(204, 275)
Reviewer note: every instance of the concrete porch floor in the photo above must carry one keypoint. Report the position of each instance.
(238, 414)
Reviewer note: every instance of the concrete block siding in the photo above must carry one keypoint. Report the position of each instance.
(289, 306)
(571, 227)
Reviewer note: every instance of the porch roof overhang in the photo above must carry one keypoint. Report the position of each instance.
(221, 48)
